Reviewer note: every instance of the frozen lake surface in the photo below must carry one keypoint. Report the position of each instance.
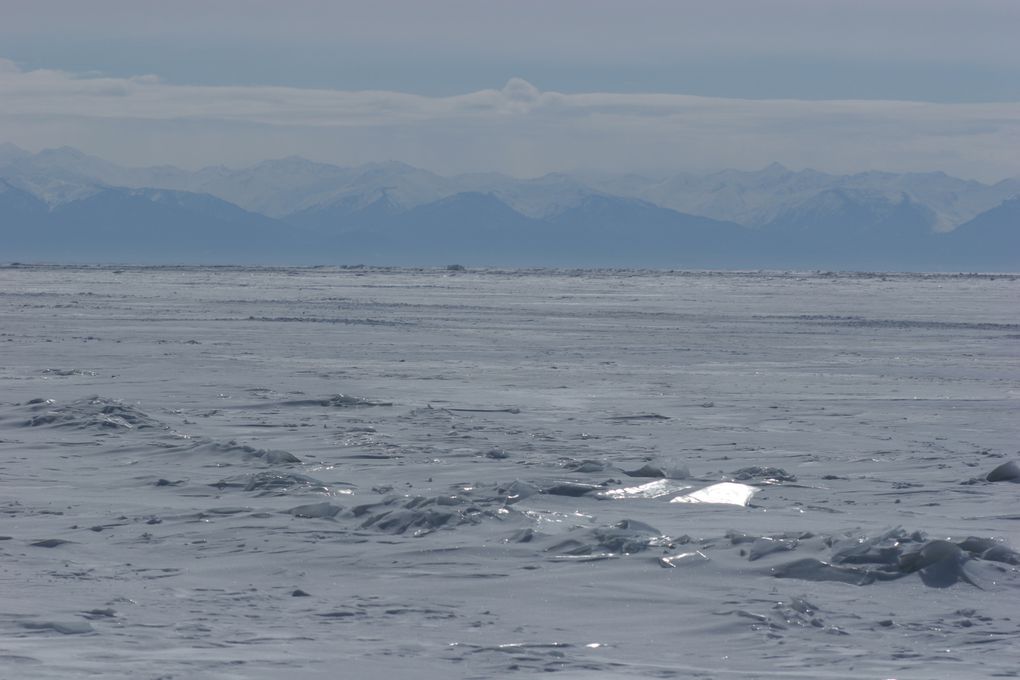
(246, 473)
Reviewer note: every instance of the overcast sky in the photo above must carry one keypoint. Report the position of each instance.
(524, 87)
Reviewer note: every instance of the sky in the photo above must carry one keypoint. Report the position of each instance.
(523, 87)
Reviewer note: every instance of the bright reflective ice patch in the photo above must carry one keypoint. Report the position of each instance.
(656, 489)
(673, 561)
(540, 516)
(725, 493)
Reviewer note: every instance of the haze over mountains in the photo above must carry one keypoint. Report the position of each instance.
(63, 205)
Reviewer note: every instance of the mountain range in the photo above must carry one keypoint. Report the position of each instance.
(61, 205)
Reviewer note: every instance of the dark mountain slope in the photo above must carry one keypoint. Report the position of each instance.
(123, 225)
(990, 241)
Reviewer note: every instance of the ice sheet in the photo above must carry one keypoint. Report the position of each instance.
(219, 473)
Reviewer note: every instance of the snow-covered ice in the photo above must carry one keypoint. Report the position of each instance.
(213, 473)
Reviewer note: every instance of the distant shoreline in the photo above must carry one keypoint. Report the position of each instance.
(495, 270)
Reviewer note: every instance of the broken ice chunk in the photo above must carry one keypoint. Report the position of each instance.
(724, 493)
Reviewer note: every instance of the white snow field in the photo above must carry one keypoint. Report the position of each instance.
(234, 473)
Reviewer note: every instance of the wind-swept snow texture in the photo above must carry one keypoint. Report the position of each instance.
(227, 473)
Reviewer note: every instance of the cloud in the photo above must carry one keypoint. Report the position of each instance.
(44, 92)
(518, 128)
